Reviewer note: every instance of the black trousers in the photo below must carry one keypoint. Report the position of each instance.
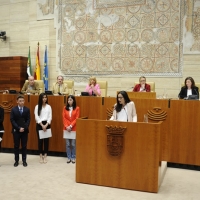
(43, 144)
(1, 136)
(23, 138)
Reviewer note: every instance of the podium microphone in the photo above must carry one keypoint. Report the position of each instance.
(126, 114)
(130, 88)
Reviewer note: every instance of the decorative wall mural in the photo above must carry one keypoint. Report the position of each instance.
(116, 3)
(192, 27)
(45, 9)
(138, 38)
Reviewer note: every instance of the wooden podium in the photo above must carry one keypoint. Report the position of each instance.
(135, 168)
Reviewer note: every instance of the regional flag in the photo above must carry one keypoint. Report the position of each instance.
(45, 73)
(37, 67)
(29, 70)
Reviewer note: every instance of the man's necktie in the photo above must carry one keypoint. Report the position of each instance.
(59, 88)
(20, 110)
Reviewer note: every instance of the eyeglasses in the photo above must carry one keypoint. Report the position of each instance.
(120, 97)
(142, 80)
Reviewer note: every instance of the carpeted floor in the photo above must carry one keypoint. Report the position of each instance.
(56, 181)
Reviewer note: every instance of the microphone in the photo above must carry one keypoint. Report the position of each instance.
(126, 114)
(130, 88)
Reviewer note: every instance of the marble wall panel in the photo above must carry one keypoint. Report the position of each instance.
(4, 14)
(39, 30)
(19, 31)
(3, 2)
(32, 10)
(19, 48)
(19, 12)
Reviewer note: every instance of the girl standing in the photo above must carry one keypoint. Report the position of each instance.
(70, 115)
(43, 117)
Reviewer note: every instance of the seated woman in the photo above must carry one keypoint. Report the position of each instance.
(188, 89)
(142, 86)
(124, 109)
(93, 88)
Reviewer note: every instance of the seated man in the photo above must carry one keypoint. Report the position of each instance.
(31, 86)
(59, 87)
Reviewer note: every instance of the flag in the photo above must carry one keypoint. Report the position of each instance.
(45, 73)
(37, 67)
(29, 64)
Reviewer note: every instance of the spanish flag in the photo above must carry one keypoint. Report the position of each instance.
(37, 67)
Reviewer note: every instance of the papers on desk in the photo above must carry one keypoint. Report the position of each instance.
(69, 135)
(45, 134)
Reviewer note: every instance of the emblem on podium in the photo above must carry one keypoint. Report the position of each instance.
(115, 140)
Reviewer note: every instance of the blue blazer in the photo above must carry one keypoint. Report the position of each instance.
(183, 92)
(20, 121)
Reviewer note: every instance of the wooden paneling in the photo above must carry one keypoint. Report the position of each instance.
(136, 168)
(13, 72)
(180, 135)
(184, 132)
(141, 95)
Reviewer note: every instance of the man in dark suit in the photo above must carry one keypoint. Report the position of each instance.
(20, 120)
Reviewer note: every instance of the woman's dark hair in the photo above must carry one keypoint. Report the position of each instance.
(74, 102)
(191, 79)
(40, 102)
(118, 107)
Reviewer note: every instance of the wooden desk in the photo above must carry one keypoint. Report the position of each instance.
(141, 95)
(136, 168)
(179, 137)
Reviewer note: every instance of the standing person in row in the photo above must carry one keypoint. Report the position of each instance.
(124, 109)
(1, 125)
(70, 114)
(189, 88)
(20, 120)
(142, 86)
(43, 117)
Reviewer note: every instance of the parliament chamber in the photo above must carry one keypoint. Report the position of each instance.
(174, 137)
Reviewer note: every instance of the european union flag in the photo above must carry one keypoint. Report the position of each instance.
(45, 74)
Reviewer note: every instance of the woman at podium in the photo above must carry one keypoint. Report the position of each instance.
(142, 86)
(93, 88)
(189, 88)
(124, 109)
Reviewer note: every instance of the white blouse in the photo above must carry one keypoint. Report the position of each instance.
(45, 114)
(189, 92)
(122, 115)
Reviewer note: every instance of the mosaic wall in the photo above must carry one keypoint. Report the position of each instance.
(45, 9)
(192, 27)
(117, 3)
(127, 40)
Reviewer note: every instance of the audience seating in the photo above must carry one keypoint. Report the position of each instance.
(70, 85)
(103, 86)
